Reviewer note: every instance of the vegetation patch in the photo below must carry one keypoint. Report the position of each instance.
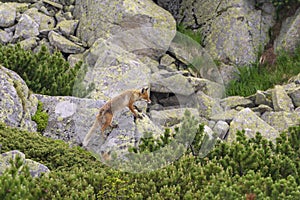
(246, 168)
(41, 118)
(262, 77)
(193, 34)
(44, 73)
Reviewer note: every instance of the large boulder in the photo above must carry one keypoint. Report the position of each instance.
(140, 23)
(112, 70)
(289, 37)
(71, 118)
(17, 105)
(36, 169)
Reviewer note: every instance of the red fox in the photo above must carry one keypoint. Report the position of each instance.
(106, 112)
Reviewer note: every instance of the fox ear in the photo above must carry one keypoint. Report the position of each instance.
(144, 90)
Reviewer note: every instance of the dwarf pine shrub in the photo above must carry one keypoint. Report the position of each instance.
(245, 168)
(44, 73)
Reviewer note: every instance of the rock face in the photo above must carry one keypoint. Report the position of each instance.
(17, 105)
(232, 30)
(36, 169)
(289, 37)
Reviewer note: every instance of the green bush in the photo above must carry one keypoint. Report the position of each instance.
(44, 73)
(258, 77)
(230, 171)
(40, 117)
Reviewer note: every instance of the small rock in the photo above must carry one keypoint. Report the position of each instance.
(5, 37)
(295, 96)
(226, 116)
(221, 128)
(56, 5)
(261, 98)
(26, 28)
(7, 15)
(44, 21)
(282, 120)
(29, 43)
(73, 59)
(67, 27)
(247, 120)
(63, 44)
(235, 101)
(262, 109)
(281, 101)
(36, 169)
(166, 60)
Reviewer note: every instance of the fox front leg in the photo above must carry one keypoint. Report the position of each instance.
(136, 115)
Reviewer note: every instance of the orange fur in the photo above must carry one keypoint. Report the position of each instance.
(107, 111)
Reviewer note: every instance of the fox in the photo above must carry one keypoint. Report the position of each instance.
(106, 112)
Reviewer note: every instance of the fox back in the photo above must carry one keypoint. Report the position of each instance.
(127, 98)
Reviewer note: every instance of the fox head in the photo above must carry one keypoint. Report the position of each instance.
(144, 94)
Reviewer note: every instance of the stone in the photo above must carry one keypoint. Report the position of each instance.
(171, 82)
(63, 44)
(262, 98)
(45, 22)
(5, 37)
(166, 60)
(16, 103)
(29, 43)
(7, 15)
(221, 128)
(73, 59)
(226, 116)
(295, 96)
(262, 109)
(289, 36)
(54, 4)
(232, 31)
(26, 28)
(172, 117)
(210, 88)
(235, 101)
(36, 169)
(67, 27)
(281, 120)
(195, 57)
(281, 101)
(137, 26)
(248, 121)
(228, 73)
(207, 106)
(113, 70)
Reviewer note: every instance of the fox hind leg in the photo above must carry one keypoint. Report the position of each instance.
(108, 116)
